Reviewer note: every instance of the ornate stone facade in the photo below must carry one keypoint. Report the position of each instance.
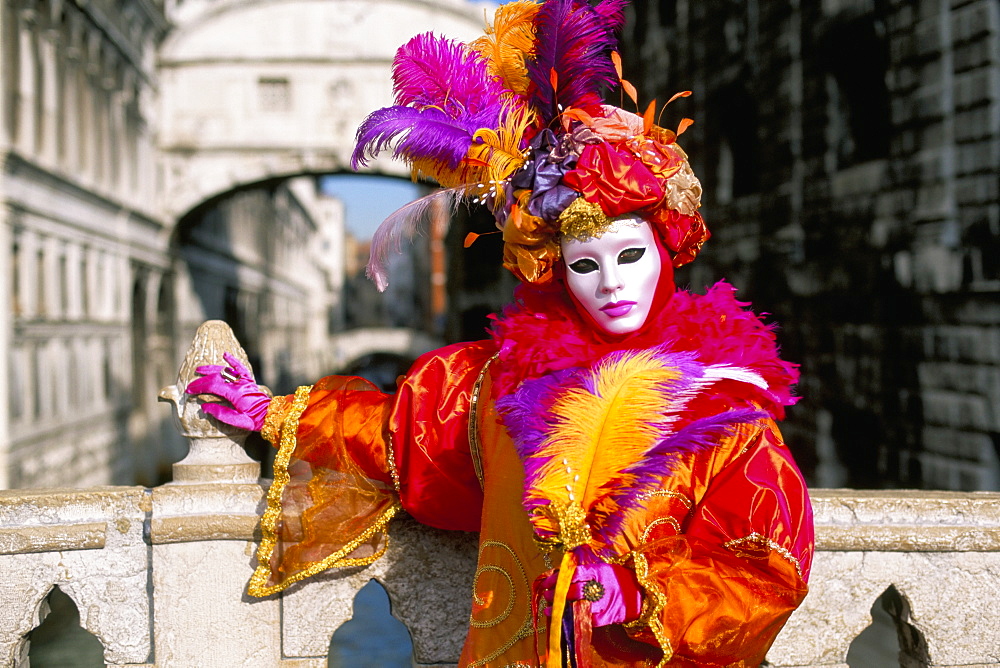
(83, 244)
(142, 148)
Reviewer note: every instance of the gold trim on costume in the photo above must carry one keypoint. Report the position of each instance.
(475, 449)
(269, 521)
(391, 459)
(527, 626)
(475, 595)
(651, 612)
(669, 493)
(657, 522)
(276, 411)
(736, 544)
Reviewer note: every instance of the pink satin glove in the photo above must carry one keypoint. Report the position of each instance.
(613, 592)
(235, 384)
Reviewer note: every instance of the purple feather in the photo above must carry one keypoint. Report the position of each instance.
(575, 41)
(417, 133)
(436, 71)
(444, 95)
(524, 414)
(612, 13)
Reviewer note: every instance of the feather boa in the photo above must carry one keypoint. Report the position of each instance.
(541, 332)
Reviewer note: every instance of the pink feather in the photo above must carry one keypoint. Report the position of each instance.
(402, 224)
(435, 71)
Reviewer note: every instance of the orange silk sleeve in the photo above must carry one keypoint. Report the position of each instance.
(720, 590)
(332, 493)
(349, 457)
(438, 483)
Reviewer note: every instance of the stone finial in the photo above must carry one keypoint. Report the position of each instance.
(216, 453)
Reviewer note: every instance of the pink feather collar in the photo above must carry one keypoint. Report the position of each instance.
(541, 332)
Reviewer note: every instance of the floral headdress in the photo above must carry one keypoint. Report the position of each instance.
(515, 120)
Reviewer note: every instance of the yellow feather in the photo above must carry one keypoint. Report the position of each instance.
(432, 168)
(596, 436)
(501, 148)
(487, 163)
(509, 42)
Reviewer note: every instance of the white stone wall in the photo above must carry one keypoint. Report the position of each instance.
(237, 92)
(81, 236)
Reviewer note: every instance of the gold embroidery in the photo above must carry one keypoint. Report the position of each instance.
(479, 600)
(657, 522)
(391, 458)
(475, 449)
(571, 520)
(276, 411)
(268, 523)
(583, 220)
(755, 538)
(651, 612)
(527, 627)
(670, 494)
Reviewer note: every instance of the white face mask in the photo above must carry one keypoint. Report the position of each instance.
(615, 275)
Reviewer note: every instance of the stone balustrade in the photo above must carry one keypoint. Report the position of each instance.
(159, 575)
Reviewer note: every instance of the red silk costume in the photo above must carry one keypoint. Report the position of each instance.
(721, 551)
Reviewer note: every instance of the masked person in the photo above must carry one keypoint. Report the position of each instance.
(613, 440)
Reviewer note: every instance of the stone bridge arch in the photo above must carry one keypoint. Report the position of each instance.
(260, 90)
(353, 344)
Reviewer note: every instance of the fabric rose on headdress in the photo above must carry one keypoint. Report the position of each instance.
(615, 179)
(617, 125)
(542, 175)
(683, 234)
(662, 159)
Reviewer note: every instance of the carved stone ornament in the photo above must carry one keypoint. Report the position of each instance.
(216, 453)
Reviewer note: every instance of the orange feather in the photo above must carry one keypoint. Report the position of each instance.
(509, 42)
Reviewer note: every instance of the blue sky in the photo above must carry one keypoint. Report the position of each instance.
(368, 200)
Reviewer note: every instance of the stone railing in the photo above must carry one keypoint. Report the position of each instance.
(159, 575)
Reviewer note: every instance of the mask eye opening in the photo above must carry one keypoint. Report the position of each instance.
(584, 266)
(630, 255)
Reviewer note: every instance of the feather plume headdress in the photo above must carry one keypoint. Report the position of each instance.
(515, 120)
(595, 441)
